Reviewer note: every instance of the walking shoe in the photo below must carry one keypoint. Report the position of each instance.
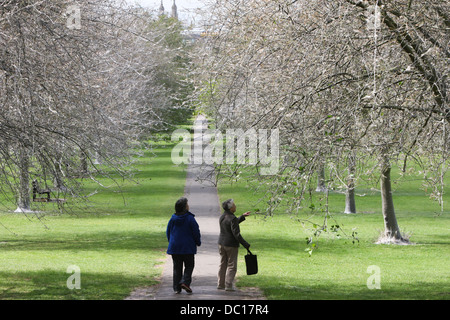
(220, 288)
(186, 288)
(230, 289)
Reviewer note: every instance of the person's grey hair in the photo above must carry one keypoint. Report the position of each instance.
(228, 204)
(180, 205)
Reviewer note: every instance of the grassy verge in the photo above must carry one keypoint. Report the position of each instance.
(337, 268)
(117, 243)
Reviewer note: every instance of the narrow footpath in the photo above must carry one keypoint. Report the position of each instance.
(204, 203)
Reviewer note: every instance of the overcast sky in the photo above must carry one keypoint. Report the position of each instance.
(186, 8)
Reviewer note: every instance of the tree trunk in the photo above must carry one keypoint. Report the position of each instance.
(391, 229)
(57, 179)
(350, 205)
(23, 200)
(84, 169)
(321, 187)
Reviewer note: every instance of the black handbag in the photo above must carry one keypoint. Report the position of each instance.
(251, 261)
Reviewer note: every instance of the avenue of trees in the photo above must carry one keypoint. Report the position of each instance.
(355, 88)
(80, 83)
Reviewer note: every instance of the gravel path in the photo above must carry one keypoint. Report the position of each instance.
(204, 203)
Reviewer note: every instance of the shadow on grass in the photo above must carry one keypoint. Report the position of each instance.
(95, 241)
(293, 289)
(338, 270)
(52, 285)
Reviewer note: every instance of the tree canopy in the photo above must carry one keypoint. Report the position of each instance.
(355, 87)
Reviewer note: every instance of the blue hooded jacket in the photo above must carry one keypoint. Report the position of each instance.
(183, 234)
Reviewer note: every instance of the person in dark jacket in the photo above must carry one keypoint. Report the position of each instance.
(184, 237)
(229, 239)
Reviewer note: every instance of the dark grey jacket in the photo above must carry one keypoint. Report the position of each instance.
(230, 233)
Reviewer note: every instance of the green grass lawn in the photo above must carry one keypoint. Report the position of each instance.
(337, 268)
(117, 241)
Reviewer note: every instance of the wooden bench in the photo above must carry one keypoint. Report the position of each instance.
(38, 191)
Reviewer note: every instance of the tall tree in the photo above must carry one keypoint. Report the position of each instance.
(342, 80)
(76, 84)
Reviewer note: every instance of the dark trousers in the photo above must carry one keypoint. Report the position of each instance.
(179, 276)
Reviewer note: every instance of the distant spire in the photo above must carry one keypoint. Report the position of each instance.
(161, 8)
(174, 10)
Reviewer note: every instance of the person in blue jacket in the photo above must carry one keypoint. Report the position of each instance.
(184, 237)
